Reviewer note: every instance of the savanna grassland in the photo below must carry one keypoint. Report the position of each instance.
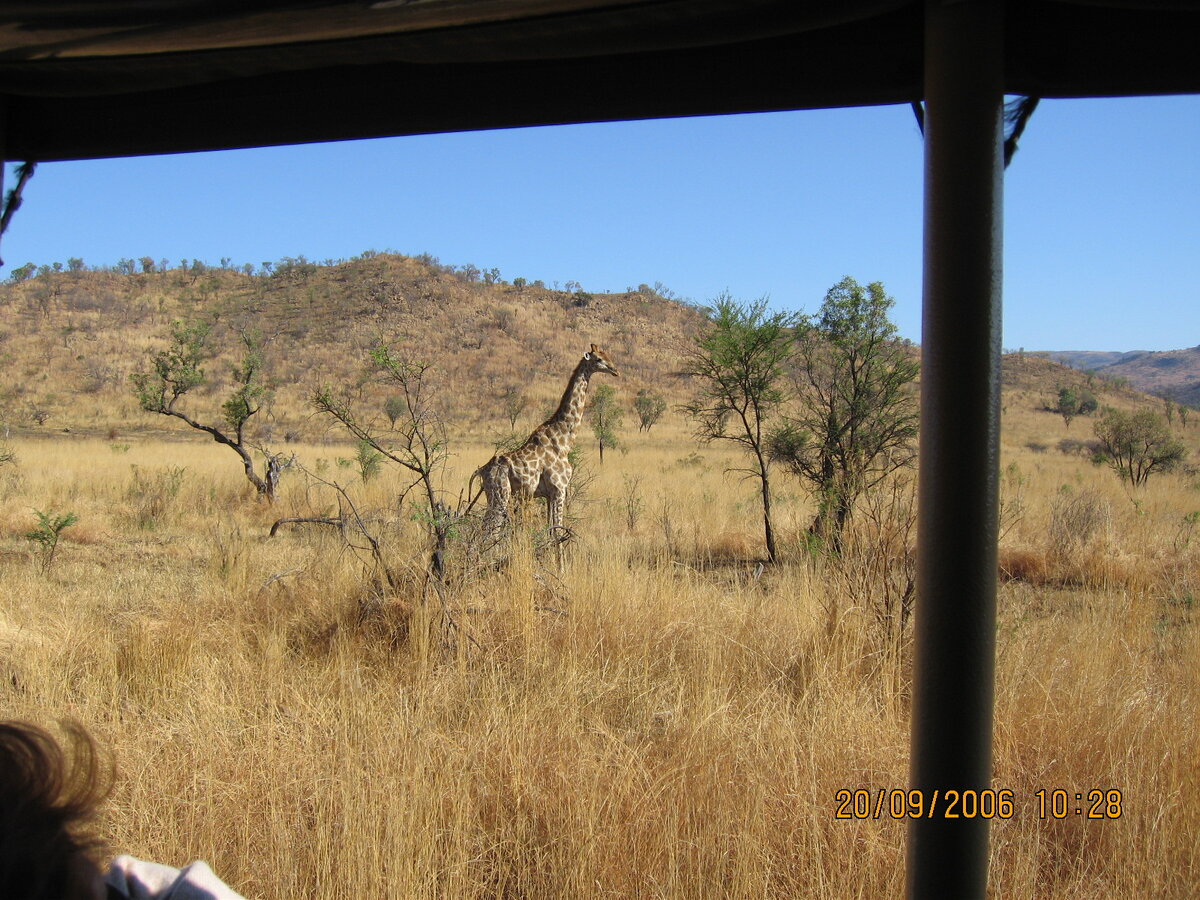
(662, 718)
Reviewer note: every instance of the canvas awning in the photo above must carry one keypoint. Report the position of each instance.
(132, 77)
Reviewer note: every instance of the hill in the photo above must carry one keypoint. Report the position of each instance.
(70, 339)
(1171, 373)
(1174, 373)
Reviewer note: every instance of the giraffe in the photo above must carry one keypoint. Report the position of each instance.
(539, 467)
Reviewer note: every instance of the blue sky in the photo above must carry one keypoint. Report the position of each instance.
(1102, 207)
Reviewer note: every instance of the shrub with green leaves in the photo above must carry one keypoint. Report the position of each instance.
(48, 533)
(369, 461)
(1068, 405)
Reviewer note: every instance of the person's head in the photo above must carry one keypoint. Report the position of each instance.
(48, 799)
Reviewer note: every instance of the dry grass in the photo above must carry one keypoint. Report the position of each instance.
(659, 722)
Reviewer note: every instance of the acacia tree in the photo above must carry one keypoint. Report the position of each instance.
(606, 417)
(1068, 405)
(856, 415)
(1138, 444)
(513, 401)
(649, 406)
(740, 363)
(177, 370)
(393, 408)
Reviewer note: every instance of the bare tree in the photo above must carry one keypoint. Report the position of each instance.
(417, 442)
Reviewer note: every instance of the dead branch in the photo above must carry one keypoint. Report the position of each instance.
(337, 522)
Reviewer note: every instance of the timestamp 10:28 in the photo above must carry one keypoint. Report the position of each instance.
(1095, 804)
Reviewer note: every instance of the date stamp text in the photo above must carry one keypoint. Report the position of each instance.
(972, 804)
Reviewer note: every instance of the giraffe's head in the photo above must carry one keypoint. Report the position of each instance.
(597, 361)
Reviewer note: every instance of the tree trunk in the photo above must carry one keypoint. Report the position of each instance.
(264, 489)
(768, 529)
(829, 524)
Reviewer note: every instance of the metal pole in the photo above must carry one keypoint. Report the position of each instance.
(959, 454)
(3, 159)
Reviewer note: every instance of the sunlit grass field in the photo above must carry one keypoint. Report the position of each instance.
(663, 718)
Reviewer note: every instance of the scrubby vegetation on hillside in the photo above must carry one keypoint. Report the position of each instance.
(72, 338)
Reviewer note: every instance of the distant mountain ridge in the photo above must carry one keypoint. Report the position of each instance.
(1090, 360)
(1174, 373)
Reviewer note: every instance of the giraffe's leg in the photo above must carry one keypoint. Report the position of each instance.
(499, 495)
(557, 503)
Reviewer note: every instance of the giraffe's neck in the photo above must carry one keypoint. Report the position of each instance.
(569, 414)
